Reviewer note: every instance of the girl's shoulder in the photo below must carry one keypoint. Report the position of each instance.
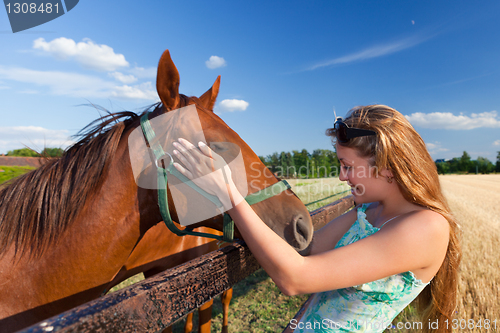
(415, 219)
(424, 224)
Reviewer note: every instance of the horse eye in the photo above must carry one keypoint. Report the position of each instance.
(218, 147)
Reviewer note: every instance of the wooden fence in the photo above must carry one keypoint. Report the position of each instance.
(22, 161)
(157, 302)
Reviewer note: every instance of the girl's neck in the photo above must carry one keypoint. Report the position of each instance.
(394, 205)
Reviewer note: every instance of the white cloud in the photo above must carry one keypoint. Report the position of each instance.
(447, 120)
(89, 55)
(59, 83)
(373, 52)
(233, 105)
(78, 85)
(123, 78)
(144, 73)
(215, 62)
(34, 137)
(141, 91)
(496, 143)
(435, 147)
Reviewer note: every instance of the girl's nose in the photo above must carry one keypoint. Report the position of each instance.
(343, 175)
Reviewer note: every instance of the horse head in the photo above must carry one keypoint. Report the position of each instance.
(194, 119)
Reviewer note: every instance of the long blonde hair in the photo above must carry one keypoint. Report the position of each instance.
(399, 148)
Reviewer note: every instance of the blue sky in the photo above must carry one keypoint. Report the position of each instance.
(285, 66)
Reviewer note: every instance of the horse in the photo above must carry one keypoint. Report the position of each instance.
(68, 228)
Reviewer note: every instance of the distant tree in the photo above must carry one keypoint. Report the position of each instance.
(27, 152)
(273, 162)
(24, 152)
(465, 162)
(484, 165)
(290, 170)
(497, 169)
(454, 164)
(334, 164)
(443, 167)
(282, 165)
(302, 162)
(325, 163)
(52, 152)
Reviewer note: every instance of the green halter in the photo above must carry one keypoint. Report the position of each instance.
(228, 224)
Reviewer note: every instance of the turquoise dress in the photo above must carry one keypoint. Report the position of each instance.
(369, 307)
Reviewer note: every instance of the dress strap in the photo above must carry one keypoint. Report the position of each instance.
(363, 207)
(389, 221)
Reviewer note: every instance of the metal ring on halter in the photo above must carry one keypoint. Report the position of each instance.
(171, 160)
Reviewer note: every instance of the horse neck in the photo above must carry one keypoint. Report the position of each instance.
(121, 208)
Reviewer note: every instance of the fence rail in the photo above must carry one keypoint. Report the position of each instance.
(157, 302)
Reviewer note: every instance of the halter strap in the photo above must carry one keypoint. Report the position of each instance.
(157, 154)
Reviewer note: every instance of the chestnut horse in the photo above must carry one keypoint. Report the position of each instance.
(68, 228)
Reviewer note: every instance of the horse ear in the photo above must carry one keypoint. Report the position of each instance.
(208, 98)
(167, 82)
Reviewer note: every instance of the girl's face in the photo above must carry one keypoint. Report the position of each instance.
(367, 183)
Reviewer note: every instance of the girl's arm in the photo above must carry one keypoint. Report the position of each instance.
(411, 243)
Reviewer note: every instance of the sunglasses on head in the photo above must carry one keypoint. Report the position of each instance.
(345, 133)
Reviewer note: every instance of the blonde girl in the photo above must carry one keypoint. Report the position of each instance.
(367, 265)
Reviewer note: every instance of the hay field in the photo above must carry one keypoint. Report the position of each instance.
(475, 201)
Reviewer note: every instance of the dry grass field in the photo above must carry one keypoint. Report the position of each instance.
(475, 202)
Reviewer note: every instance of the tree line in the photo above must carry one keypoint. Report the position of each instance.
(27, 152)
(318, 164)
(324, 163)
(465, 164)
(302, 164)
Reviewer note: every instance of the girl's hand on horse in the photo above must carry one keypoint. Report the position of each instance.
(206, 169)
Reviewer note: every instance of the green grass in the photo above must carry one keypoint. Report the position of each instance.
(10, 172)
(257, 306)
(311, 190)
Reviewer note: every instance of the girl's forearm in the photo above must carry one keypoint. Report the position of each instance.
(277, 257)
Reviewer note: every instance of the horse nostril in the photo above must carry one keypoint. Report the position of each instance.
(299, 230)
(302, 232)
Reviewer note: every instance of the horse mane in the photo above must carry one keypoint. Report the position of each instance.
(37, 207)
